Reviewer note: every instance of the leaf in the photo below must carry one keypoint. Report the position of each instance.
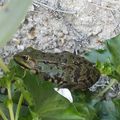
(101, 55)
(105, 68)
(16, 69)
(6, 79)
(87, 110)
(25, 113)
(110, 53)
(3, 66)
(113, 46)
(4, 110)
(11, 15)
(47, 103)
(84, 102)
(82, 96)
(108, 59)
(108, 110)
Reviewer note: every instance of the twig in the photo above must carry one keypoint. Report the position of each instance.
(38, 3)
(56, 10)
(113, 81)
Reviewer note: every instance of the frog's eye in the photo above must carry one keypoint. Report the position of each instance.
(25, 57)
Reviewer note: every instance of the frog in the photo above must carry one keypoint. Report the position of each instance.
(65, 69)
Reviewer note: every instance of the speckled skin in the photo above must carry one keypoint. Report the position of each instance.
(65, 69)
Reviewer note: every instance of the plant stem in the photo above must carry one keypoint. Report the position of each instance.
(3, 66)
(18, 107)
(112, 82)
(10, 105)
(3, 115)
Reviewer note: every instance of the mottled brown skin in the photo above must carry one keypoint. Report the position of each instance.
(65, 69)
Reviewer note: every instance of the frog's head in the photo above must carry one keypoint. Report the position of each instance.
(26, 58)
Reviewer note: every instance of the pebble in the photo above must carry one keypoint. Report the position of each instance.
(65, 31)
(31, 8)
(44, 32)
(57, 50)
(20, 47)
(65, 93)
(16, 41)
(60, 34)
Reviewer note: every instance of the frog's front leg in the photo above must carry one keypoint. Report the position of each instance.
(35, 70)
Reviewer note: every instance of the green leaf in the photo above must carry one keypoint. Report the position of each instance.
(84, 102)
(4, 110)
(108, 110)
(82, 96)
(101, 55)
(25, 113)
(6, 79)
(47, 103)
(16, 69)
(113, 46)
(3, 66)
(105, 68)
(110, 53)
(11, 14)
(87, 110)
(108, 59)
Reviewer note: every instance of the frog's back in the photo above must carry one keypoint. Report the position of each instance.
(62, 58)
(72, 71)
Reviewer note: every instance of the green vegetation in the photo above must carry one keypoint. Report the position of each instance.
(29, 97)
(11, 14)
